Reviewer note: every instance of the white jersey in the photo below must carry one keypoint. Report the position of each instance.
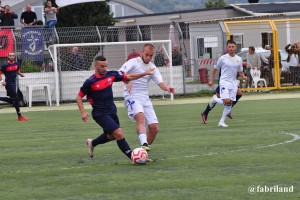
(229, 67)
(139, 88)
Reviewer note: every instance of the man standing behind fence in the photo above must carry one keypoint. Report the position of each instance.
(253, 62)
(7, 17)
(136, 95)
(29, 17)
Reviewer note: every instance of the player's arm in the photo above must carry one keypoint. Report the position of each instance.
(19, 73)
(131, 77)
(1, 80)
(84, 114)
(165, 87)
(212, 78)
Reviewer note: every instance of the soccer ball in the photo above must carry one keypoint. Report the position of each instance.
(139, 156)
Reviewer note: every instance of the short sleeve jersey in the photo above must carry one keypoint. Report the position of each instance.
(140, 86)
(9, 69)
(229, 67)
(99, 90)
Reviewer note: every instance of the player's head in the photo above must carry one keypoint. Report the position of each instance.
(11, 56)
(100, 64)
(147, 53)
(231, 47)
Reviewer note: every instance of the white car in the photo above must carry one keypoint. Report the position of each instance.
(264, 54)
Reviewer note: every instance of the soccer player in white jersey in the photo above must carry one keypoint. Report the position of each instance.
(136, 96)
(230, 64)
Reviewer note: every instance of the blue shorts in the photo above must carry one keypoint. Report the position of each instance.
(108, 121)
(11, 91)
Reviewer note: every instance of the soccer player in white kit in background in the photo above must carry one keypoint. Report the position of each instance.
(230, 64)
(136, 96)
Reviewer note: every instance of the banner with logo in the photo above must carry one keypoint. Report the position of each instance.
(63, 3)
(7, 42)
(32, 44)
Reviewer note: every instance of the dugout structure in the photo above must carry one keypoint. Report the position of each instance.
(71, 71)
(263, 33)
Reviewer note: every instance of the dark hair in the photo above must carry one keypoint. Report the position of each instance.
(100, 58)
(252, 48)
(230, 42)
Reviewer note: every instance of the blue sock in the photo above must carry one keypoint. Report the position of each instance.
(100, 140)
(124, 147)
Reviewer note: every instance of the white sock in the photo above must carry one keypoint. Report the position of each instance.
(143, 138)
(218, 101)
(226, 110)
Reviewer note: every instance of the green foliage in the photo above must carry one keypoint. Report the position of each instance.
(215, 3)
(87, 14)
(30, 66)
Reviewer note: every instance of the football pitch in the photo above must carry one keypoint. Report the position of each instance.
(256, 157)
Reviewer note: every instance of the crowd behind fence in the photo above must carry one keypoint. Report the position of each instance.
(200, 48)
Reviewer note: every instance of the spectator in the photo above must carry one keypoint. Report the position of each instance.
(159, 59)
(7, 17)
(176, 56)
(253, 62)
(272, 61)
(133, 54)
(77, 61)
(293, 60)
(50, 15)
(29, 17)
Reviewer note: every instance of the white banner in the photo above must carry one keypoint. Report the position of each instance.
(63, 3)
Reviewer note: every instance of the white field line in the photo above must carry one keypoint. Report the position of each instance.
(295, 137)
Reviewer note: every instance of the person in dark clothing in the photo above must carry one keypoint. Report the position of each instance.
(77, 61)
(7, 17)
(28, 17)
(11, 69)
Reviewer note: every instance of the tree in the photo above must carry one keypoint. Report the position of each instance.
(215, 3)
(85, 14)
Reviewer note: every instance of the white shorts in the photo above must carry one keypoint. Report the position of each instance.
(135, 106)
(226, 93)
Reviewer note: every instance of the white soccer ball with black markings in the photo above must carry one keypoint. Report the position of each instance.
(139, 156)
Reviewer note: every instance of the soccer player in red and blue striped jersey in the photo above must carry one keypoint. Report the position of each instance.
(98, 89)
(11, 69)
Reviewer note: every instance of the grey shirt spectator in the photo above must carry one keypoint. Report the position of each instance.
(77, 60)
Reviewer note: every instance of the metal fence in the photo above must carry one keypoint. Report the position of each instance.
(200, 44)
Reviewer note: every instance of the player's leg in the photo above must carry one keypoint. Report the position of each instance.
(238, 96)
(7, 99)
(108, 125)
(122, 143)
(152, 121)
(209, 106)
(135, 112)
(11, 92)
(227, 95)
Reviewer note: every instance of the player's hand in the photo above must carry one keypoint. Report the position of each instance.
(210, 83)
(84, 117)
(149, 71)
(171, 90)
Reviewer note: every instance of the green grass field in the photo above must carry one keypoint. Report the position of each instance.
(46, 157)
